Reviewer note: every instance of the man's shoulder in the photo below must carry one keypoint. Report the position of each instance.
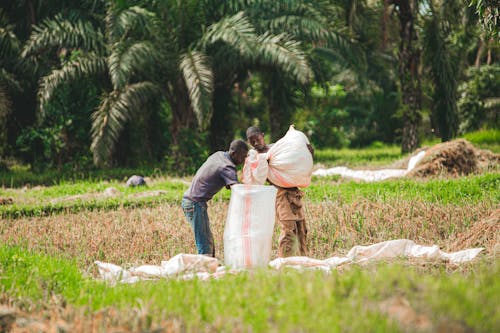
(266, 149)
(222, 159)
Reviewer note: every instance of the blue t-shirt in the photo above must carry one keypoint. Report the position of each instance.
(218, 171)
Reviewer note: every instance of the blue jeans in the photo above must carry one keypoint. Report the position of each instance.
(196, 214)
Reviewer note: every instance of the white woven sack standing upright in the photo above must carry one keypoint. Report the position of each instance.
(249, 226)
(290, 161)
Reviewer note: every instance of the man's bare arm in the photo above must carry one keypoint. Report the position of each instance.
(311, 149)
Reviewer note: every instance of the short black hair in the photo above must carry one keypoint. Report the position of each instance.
(253, 130)
(238, 146)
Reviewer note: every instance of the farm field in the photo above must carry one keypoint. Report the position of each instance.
(386, 111)
(51, 236)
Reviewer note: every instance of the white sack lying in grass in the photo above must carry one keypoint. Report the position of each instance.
(179, 265)
(371, 175)
(384, 250)
(188, 266)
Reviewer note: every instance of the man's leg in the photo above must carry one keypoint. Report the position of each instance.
(287, 238)
(302, 236)
(197, 216)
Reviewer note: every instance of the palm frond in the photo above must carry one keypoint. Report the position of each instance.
(286, 53)
(112, 114)
(127, 59)
(199, 81)
(306, 20)
(444, 72)
(119, 22)
(9, 44)
(300, 27)
(339, 49)
(58, 32)
(10, 80)
(236, 31)
(74, 70)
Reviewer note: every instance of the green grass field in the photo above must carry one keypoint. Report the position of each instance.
(51, 236)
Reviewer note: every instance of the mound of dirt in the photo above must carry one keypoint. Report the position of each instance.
(487, 160)
(484, 233)
(454, 158)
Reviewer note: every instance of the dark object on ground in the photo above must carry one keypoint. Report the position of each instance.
(136, 181)
(6, 201)
(7, 318)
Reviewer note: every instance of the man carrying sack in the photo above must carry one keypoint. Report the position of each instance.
(289, 205)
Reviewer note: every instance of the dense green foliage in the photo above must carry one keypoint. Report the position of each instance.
(467, 190)
(132, 83)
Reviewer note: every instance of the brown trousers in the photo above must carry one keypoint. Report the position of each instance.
(290, 231)
(290, 214)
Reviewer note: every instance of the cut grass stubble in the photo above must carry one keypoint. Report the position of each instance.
(149, 235)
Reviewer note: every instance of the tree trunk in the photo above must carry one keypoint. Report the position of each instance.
(279, 103)
(479, 53)
(385, 20)
(182, 113)
(278, 118)
(409, 62)
(221, 131)
(30, 13)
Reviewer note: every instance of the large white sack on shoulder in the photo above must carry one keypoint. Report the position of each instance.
(255, 168)
(249, 226)
(290, 161)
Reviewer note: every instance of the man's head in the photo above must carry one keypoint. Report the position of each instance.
(238, 150)
(256, 138)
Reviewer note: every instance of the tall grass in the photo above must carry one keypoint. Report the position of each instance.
(470, 189)
(347, 300)
(75, 197)
(484, 137)
(84, 195)
(378, 155)
(488, 139)
(21, 175)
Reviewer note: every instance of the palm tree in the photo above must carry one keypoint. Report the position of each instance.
(215, 57)
(119, 57)
(409, 76)
(10, 66)
(489, 14)
(443, 58)
(311, 24)
(180, 42)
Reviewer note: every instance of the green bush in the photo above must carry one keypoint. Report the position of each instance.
(484, 136)
(479, 104)
(188, 154)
